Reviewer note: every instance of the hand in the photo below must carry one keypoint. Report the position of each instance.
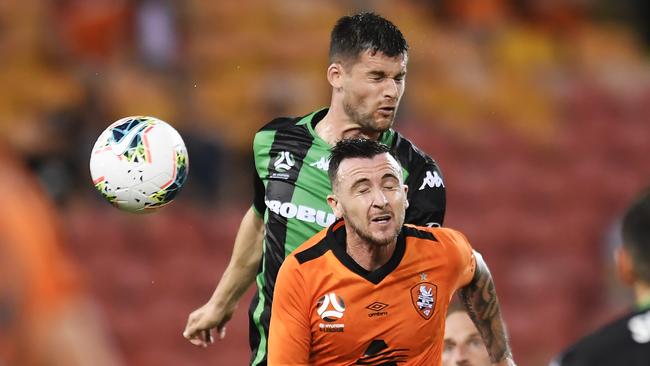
(202, 320)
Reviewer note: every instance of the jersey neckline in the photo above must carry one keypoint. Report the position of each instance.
(312, 119)
(336, 240)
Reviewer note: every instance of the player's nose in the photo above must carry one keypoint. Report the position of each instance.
(379, 199)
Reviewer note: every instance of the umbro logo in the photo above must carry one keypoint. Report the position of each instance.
(376, 309)
(323, 163)
(284, 161)
(377, 306)
(432, 179)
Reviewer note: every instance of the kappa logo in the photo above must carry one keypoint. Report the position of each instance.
(639, 327)
(432, 179)
(424, 296)
(284, 161)
(323, 163)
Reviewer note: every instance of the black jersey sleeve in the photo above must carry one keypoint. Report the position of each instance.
(426, 194)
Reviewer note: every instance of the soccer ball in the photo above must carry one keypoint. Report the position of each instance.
(139, 164)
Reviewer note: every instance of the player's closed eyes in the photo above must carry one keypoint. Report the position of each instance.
(475, 342)
(363, 189)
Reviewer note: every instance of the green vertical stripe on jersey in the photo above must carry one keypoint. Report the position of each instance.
(316, 214)
(262, 146)
(261, 350)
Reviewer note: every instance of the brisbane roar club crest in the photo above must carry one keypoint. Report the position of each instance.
(424, 296)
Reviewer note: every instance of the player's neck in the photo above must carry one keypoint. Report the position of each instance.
(368, 255)
(337, 125)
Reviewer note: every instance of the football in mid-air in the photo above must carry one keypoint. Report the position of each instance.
(139, 164)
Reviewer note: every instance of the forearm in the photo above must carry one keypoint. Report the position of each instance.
(480, 299)
(244, 262)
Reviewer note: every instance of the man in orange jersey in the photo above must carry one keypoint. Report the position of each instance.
(463, 343)
(371, 290)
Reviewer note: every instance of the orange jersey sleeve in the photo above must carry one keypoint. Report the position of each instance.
(290, 336)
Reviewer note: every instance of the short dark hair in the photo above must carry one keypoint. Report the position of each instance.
(353, 148)
(636, 235)
(355, 34)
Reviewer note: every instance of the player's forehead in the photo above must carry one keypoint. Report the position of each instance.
(377, 167)
(368, 61)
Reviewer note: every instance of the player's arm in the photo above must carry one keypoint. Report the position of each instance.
(290, 333)
(480, 298)
(426, 195)
(239, 275)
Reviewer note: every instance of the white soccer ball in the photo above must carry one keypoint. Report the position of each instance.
(139, 163)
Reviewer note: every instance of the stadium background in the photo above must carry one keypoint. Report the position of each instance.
(537, 111)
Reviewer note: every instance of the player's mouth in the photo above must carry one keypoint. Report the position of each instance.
(386, 111)
(381, 219)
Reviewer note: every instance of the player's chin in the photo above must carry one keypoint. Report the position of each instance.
(384, 234)
(383, 123)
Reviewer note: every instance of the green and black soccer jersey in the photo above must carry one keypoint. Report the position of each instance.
(625, 341)
(291, 188)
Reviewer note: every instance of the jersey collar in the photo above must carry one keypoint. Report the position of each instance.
(336, 239)
(312, 119)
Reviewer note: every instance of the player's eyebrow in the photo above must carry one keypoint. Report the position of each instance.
(473, 336)
(380, 73)
(390, 175)
(377, 73)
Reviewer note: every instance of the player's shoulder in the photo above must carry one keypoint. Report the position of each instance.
(312, 249)
(279, 123)
(424, 233)
(438, 234)
(406, 150)
(607, 344)
(283, 132)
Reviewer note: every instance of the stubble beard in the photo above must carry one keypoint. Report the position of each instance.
(365, 121)
(370, 239)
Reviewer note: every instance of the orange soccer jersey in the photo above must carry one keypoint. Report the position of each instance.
(328, 310)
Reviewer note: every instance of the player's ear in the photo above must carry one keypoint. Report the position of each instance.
(334, 75)
(624, 265)
(334, 203)
(406, 191)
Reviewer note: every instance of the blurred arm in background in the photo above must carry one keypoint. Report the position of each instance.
(239, 275)
(45, 316)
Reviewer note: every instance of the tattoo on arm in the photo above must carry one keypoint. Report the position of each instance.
(480, 299)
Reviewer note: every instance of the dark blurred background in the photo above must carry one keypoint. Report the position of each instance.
(537, 111)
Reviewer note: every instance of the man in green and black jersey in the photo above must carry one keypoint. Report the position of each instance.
(367, 72)
(625, 341)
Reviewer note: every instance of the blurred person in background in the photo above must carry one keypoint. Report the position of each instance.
(463, 345)
(45, 316)
(625, 341)
(368, 58)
